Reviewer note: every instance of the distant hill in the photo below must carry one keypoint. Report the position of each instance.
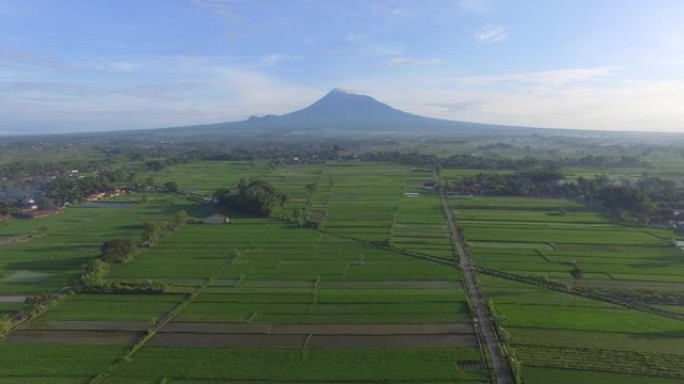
(340, 108)
(341, 113)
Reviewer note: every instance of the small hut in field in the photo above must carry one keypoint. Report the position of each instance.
(216, 218)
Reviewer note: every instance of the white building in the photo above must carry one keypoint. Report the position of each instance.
(216, 218)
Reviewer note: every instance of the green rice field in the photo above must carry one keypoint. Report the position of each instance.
(364, 288)
(265, 300)
(565, 338)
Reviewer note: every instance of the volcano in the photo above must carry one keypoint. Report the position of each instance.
(342, 113)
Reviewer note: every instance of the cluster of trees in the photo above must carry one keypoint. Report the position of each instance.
(647, 200)
(254, 196)
(6, 207)
(6, 324)
(62, 190)
(95, 274)
(470, 161)
(54, 184)
(22, 169)
(600, 161)
(112, 253)
(119, 251)
(153, 231)
(157, 164)
(544, 181)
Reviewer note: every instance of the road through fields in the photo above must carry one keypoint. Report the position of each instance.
(484, 318)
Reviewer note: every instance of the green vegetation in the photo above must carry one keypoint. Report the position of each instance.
(357, 271)
(563, 246)
(256, 196)
(313, 300)
(118, 251)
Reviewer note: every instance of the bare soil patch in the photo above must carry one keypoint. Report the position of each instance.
(174, 282)
(318, 329)
(393, 341)
(12, 299)
(72, 337)
(65, 325)
(215, 328)
(372, 329)
(227, 340)
(278, 284)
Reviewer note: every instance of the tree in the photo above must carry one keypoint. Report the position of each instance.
(149, 182)
(137, 181)
(6, 324)
(152, 231)
(154, 165)
(576, 273)
(256, 196)
(223, 196)
(171, 186)
(95, 274)
(180, 218)
(117, 251)
(298, 216)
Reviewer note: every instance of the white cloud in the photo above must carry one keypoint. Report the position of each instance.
(646, 106)
(200, 90)
(551, 78)
(408, 62)
(490, 33)
(584, 98)
(276, 58)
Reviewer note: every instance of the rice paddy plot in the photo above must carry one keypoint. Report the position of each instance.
(550, 330)
(316, 364)
(113, 307)
(66, 242)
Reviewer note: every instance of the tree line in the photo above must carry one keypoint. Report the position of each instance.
(120, 251)
(648, 200)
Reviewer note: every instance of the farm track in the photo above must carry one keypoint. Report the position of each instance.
(486, 325)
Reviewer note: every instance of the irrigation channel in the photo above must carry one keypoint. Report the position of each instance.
(484, 318)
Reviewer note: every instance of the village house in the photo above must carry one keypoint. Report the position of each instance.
(30, 205)
(216, 218)
(119, 192)
(96, 196)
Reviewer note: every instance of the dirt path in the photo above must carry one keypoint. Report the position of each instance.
(484, 318)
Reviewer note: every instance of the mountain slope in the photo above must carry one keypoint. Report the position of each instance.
(341, 113)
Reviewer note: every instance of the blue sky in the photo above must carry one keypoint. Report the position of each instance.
(83, 65)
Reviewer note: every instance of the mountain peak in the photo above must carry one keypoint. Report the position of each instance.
(340, 90)
(340, 111)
